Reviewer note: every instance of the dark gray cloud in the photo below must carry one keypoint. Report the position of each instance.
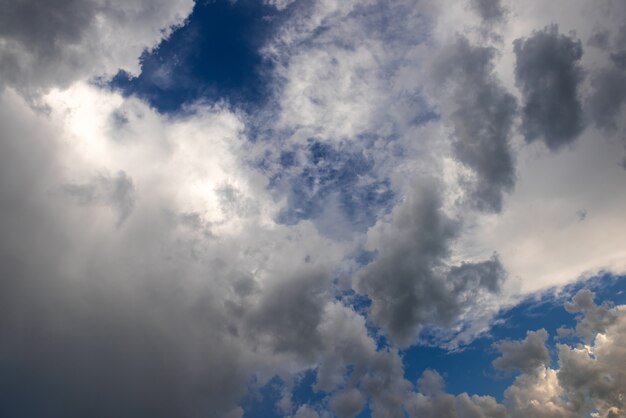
(290, 313)
(488, 275)
(526, 355)
(408, 282)
(401, 282)
(481, 112)
(619, 59)
(548, 73)
(83, 349)
(488, 10)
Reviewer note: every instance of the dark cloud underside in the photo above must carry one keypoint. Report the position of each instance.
(548, 73)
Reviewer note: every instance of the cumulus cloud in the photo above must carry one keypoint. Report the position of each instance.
(595, 319)
(548, 73)
(526, 355)
(590, 378)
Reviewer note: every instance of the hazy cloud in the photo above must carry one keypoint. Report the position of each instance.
(117, 192)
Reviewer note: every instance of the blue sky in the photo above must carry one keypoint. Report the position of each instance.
(312, 209)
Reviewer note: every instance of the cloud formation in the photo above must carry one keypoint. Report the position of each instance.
(171, 265)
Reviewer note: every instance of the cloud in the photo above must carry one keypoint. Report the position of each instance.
(548, 73)
(538, 394)
(175, 271)
(590, 378)
(595, 318)
(42, 45)
(481, 113)
(408, 281)
(594, 378)
(432, 401)
(488, 10)
(117, 192)
(608, 97)
(526, 355)
(347, 404)
(171, 311)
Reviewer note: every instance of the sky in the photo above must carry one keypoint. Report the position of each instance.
(312, 208)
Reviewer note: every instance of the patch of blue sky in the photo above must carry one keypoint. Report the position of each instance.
(328, 178)
(470, 370)
(215, 56)
(261, 401)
